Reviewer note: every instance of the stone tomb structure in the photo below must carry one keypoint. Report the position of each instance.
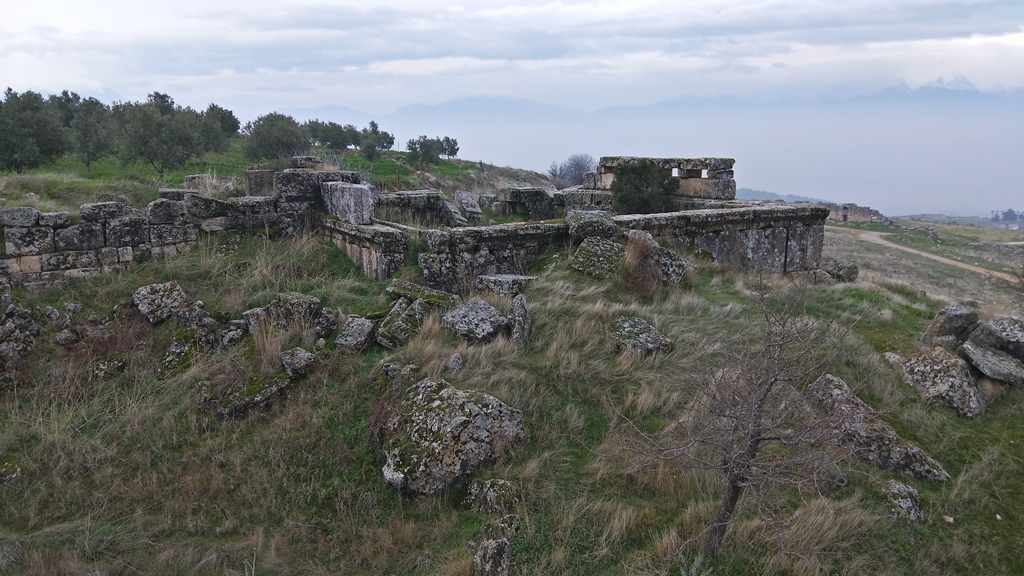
(40, 249)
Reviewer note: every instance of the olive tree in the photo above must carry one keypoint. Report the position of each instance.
(643, 187)
(157, 132)
(92, 131)
(31, 133)
(274, 135)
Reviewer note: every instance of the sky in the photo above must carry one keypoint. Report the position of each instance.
(769, 82)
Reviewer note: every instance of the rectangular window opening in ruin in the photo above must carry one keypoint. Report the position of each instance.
(704, 174)
(675, 172)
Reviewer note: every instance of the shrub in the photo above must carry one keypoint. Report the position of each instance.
(643, 187)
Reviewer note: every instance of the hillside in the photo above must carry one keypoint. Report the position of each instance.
(125, 465)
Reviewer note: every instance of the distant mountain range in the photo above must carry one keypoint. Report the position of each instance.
(749, 194)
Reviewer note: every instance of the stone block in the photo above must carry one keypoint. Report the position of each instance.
(165, 211)
(350, 202)
(356, 334)
(55, 219)
(84, 236)
(69, 260)
(586, 223)
(168, 234)
(259, 182)
(19, 217)
(214, 224)
(28, 241)
(197, 181)
(204, 207)
(108, 256)
(708, 188)
(174, 194)
(126, 231)
(29, 265)
(102, 211)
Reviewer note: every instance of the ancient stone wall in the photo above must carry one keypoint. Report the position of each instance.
(378, 250)
(459, 255)
(770, 237)
(698, 177)
(854, 213)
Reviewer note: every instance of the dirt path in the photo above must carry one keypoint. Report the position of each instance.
(877, 238)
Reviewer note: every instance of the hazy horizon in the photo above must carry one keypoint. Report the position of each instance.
(906, 106)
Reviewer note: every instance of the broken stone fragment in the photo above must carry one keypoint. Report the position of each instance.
(944, 378)
(870, 439)
(1006, 334)
(995, 364)
(403, 322)
(637, 336)
(356, 334)
(476, 321)
(598, 258)
(904, 501)
(522, 324)
(435, 434)
(498, 497)
(160, 302)
(297, 362)
(586, 223)
(840, 271)
(504, 283)
(399, 288)
(952, 324)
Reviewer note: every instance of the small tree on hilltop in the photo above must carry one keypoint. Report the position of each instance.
(643, 187)
(450, 147)
(373, 141)
(159, 132)
(274, 135)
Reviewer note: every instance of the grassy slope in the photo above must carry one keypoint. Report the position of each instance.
(128, 474)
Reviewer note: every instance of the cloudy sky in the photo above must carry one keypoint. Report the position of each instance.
(581, 57)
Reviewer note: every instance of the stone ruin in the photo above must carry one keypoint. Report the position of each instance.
(41, 249)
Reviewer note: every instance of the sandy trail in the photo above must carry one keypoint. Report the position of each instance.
(877, 238)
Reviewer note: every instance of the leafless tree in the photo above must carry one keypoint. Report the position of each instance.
(754, 421)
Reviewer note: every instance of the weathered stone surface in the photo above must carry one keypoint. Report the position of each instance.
(350, 202)
(28, 241)
(537, 202)
(286, 309)
(106, 368)
(995, 364)
(206, 207)
(497, 497)
(19, 217)
(297, 362)
(637, 336)
(55, 219)
(160, 302)
(399, 288)
(356, 334)
(841, 271)
(476, 321)
(18, 331)
(904, 501)
(942, 377)
(584, 199)
(66, 337)
(101, 211)
(236, 402)
(598, 258)
(198, 181)
(68, 260)
(403, 322)
(492, 558)
(672, 268)
(378, 250)
(504, 283)
(436, 434)
(163, 211)
(233, 332)
(871, 439)
(952, 323)
(168, 234)
(126, 231)
(586, 223)
(469, 207)
(84, 236)
(453, 364)
(522, 324)
(1006, 334)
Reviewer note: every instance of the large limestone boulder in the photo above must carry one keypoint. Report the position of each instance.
(476, 321)
(356, 334)
(435, 434)
(286, 309)
(598, 258)
(637, 336)
(838, 270)
(995, 364)
(586, 223)
(870, 439)
(950, 327)
(160, 302)
(942, 377)
(1006, 334)
(904, 501)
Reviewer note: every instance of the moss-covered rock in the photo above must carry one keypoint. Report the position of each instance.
(636, 335)
(598, 258)
(436, 434)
